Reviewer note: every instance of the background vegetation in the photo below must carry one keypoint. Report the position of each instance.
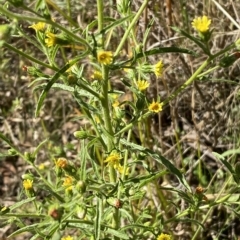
(183, 162)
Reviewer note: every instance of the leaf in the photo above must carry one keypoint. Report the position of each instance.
(118, 233)
(48, 87)
(115, 24)
(28, 228)
(19, 204)
(226, 163)
(231, 152)
(159, 50)
(194, 39)
(159, 159)
(97, 225)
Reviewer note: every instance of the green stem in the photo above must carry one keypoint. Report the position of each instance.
(131, 25)
(100, 20)
(206, 216)
(188, 82)
(29, 57)
(106, 110)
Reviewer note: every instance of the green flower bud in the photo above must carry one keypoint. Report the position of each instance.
(4, 210)
(81, 212)
(140, 104)
(72, 79)
(5, 31)
(80, 134)
(27, 176)
(12, 152)
(81, 187)
(29, 157)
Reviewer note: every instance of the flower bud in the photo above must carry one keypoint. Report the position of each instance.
(56, 213)
(29, 157)
(27, 176)
(72, 79)
(81, 187)
(80, 134)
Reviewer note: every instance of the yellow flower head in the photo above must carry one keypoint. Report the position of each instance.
(104, 57)
(142, 85)
(68, 181)
(28, 184)
(41, 166)
(61, 162)
(97, 75)
(158, 69)
(50, 39)
(120, 169)
(155, 107)
(113, 160)
(163, 236)
(116, 104)
(201, 24)
(38, 26)
(67, 238)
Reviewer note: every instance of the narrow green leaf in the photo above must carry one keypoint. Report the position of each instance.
(97, 225)
(115, 24)
(194, 39)
(225, 163)
(159, 159)
(48, 87)
(19, 204)
(118, 234)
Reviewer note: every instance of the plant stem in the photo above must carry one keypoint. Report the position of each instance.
(106, 111)
(131, 25)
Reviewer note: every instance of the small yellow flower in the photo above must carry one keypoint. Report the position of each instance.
(201, 24)
(142, 85)
(28, 184)
(67, 238)
(68, 181)
(163, 236)
(158, 69)
(41, 166)
(50, 39)
(120, 169)
(116, 103)
(61, 162)
(155, 107)
(104, 57)
(97, 75)
(38, 26)
(113, 160)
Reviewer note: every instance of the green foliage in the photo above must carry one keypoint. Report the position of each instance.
(110, 190)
